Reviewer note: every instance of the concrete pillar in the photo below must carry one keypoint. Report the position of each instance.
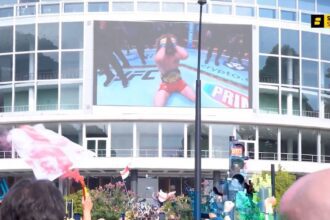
(289, 145)
(289, 103)
(289, 72)
(134, 181)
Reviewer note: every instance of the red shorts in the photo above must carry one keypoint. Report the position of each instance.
(177, 86)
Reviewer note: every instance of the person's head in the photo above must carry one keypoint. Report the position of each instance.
(32, 199)
(307, 198)
(169, 42)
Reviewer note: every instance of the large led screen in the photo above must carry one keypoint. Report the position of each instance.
(155, 64)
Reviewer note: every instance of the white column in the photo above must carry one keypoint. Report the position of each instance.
(279, 145)
(318, 150)
(289, 145)
(299, 146)
(289, 71)
(256, 146)
(185, 141)
(32, 102)
(108, 143)
(322, 108)
(210, 141)
(160, 140)
(289, 103)
(134, 141)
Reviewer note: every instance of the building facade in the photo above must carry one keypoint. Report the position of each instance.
(265, 80)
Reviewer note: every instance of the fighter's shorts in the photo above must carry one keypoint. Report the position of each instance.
(172, 82)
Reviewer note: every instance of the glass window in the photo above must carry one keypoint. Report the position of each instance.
(267, 13)
(268, 42)
(310, 73)
(325, 149)
(6, 69)
(268, 69)
(245, 132)
(122, 6)
(305, 18)
(325, 47)
(308, 5)
(97, 131)
(325, 99)
(290, 42)
(173, 139)
(52, 126)
(73, 131)
(325, 75)
(48, 36)
(288, 15)
(245, 11)
(73, 7)
(70, 96)
(221, 9)
(72, 65)
(21, 102)
(148, 6)
(24, 67)
(147, 136)
(98, 6)
(287, 3)
(72, 39)
(310, 103)
(290, 101)
(6, 39)
(309, 44)
(268, 100)
(26, 10)
(5, 99)
(289, 144)
(267, 2)
(173, 6)
(6, 12)
(193, 7)
(25, 37)
(309, 145)
(121, 139)
(267, 143)
(290, 71)
(47, 97)
(8, 2)
(50, 9)
(204, 145)
(48, 65)
(220, 140)
(323, 6)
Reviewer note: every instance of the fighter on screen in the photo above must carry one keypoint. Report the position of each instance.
(167, 59)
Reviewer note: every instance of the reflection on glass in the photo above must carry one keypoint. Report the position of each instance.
(173, 6)
(204, 141)
(325, 150)
(267, 143)
(325, 99)
(290, 101)
(309, 145)
(48, 65)
(24, 67)
(6, 12)
(147, 136)
(50, 9)
(220, 140)
(305, 18)
(52, 126)
(70, 96)
(268, 100)
(245, 11)
(98, 6)
(287, 3)
(267, 2)
(308, 5)
(172, 140)
(96, 131)
(325, 75)
(310, 103)
(121, 140)
(148, 6)
(245, 132)
(221, 9)
(73, 131)
(323, 6)
(22, 99)
(47, 98)
(6, 39)
(122, 6)
(72, 64)
(268, 69)
(72, 39)
(26, 10)
(48, 36)
(310, 73)
(290, 71)
(325, 47)
(268, 40)
(289, 144)
(25, 37)
(6, 68)
(267, 13)
(309, 44)
(6, 99)
(290, 42)
(288, 15)
(73, 7)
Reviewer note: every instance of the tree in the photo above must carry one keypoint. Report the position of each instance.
(283, 180)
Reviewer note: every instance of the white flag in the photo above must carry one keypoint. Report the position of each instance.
(125, 172)
(49, 154)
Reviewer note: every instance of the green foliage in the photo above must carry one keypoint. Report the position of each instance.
(179, 206)
(283, 180)
(110, 201)
(76, 198)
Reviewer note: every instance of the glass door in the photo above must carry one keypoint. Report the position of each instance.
(97, 145)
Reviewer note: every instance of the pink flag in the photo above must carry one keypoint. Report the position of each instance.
(49, 154)
(125, 172)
